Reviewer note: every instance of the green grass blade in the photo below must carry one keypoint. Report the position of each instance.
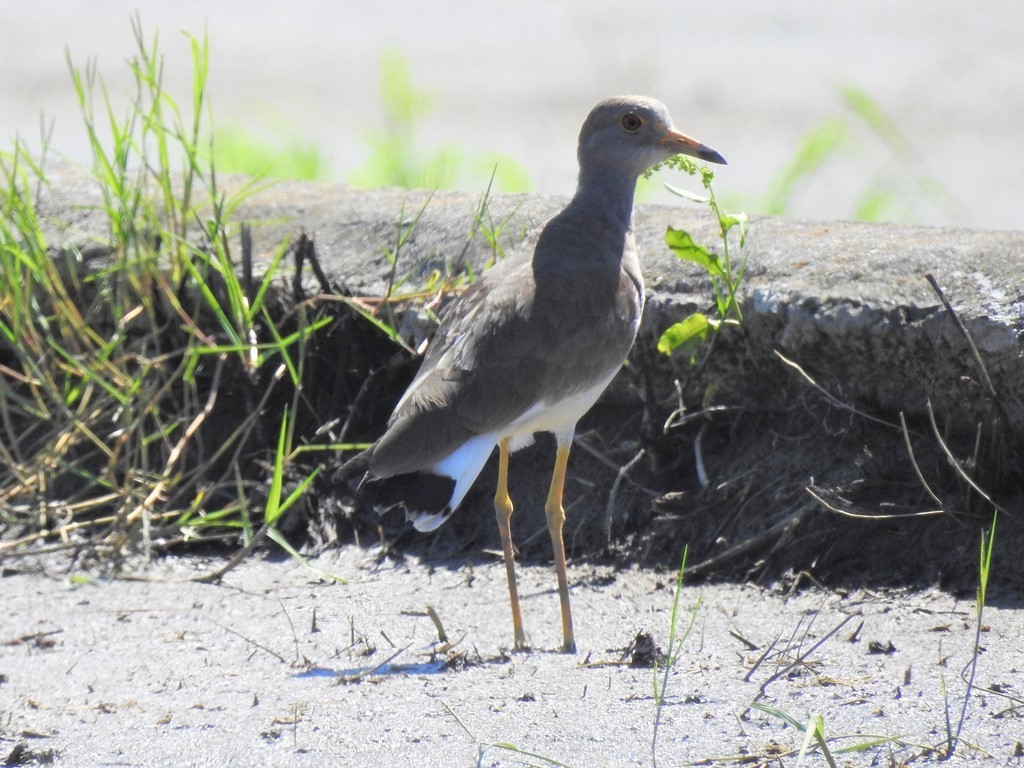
(816, 148)
(278, 538)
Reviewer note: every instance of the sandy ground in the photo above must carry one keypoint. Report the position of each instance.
(279, 666)
(516, 77)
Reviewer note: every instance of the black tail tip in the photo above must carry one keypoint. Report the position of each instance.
(426, 497)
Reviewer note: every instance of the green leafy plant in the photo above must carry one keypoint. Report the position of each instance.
(902, 189)
(395, 158)
(453, 277)
(726, 276)
(814, 726)
(813, 730)
(276, 154)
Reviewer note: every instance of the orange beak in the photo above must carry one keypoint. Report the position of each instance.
(686, 145)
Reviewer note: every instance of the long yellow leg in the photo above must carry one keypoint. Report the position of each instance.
(503, 512)
(556, 519)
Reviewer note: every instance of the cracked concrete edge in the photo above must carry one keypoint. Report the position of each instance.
(844, 299)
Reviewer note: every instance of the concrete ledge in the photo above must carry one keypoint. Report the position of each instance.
(846, 300)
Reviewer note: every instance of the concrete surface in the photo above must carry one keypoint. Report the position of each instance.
(847, 300)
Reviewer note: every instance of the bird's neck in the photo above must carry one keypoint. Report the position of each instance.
(606, 191)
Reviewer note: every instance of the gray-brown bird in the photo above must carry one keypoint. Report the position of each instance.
(532, 344)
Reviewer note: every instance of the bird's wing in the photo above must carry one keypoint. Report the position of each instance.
(528, 332)
(480, 372)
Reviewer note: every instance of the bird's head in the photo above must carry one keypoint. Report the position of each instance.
(633, 133)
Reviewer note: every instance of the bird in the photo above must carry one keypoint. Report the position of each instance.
(531, 345)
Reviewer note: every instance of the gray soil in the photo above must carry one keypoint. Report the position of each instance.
(281, 666)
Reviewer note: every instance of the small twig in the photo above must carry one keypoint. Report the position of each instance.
(300, 252)
(609, 511)
(984, 569)
(761, 659)
(143, 510)
(295, 636)
(314, 262)
(862, 516)
(828, 395)
(459, 721)
(679, 417)
(799, 660)
(238, 557)
(64, 532)
(40, 550)
(579, 442)
(781, 528)
(956, 463)
(367, 672)
(247, 281)
(442, 636)
(963, 329)
(249, 640)
(238, 438)
(357, 403)
(913, 461)
(750, 645)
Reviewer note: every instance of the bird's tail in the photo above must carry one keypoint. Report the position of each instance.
(429, 495)
(426, 496)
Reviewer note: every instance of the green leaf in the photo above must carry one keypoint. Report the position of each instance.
(687, 249)
(688, 334)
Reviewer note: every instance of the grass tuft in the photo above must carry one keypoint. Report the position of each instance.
(133, 371)
(970, 670)
(279, 154)
(676, 637)
(395, 158)
(901, 190)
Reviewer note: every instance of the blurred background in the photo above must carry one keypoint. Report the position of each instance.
(909, 111)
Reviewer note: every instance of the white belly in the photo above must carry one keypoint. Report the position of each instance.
(465, 463)
(559, 418)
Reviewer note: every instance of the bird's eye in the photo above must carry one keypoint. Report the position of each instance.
(631, 122)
